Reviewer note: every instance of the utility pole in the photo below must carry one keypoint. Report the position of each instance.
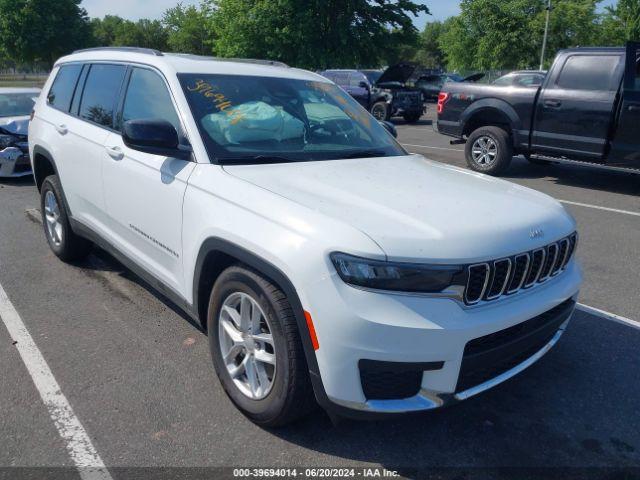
(546, 33)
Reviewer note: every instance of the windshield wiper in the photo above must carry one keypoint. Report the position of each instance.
(365, 154)
(249, 159)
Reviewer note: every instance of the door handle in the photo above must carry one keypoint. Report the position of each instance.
(634, 108)
(62, 129)
(552, 103)
(115, 152)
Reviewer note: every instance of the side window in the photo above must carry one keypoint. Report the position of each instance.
(61, 91)
(341, 78)
(147, 97)
(355, 79)
(100, 93)
(584, 72)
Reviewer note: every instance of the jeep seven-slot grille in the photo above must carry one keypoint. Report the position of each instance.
(506, 276)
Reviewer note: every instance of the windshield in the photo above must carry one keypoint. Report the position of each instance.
(266, 119)
(16, 104)
(372, 75)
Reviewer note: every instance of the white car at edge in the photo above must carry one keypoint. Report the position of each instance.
(327, 263)
(16, 105)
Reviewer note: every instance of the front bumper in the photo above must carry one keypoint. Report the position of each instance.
(420, 330)
(14, 163)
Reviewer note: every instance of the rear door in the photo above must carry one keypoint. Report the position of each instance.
(144, 192)
(625, 149)
(576, 108)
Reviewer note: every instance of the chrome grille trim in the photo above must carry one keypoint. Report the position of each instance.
(549, 250)
(539, 271)
(554, 259)
(524, 274)
(484, 287)
(493, 279)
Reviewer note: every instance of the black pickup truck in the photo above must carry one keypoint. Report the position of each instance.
(587, 111)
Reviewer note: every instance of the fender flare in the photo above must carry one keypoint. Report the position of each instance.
(215, 244)
(496, 105)
(40, 150)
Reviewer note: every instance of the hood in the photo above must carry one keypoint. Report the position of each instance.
(473, 78)
(419, 210)
(400, 72)
(17, 125)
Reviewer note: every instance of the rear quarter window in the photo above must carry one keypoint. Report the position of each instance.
(589, 72)
(63, 87)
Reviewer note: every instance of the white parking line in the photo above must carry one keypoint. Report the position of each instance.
(608, 316)
(82, 452)
(606, 209)
(434, 148)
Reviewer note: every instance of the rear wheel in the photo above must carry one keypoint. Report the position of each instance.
(256, 348)
(61, 238)
(489, 150)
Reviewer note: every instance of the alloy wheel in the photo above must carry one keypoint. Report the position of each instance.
(52, 218)
(484, 150)
(247, 345)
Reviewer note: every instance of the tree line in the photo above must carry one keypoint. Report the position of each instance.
(316, 34)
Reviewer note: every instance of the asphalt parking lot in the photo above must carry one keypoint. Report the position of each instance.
(137, 373)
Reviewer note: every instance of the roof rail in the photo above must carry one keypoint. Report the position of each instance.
(147, 51)
(273, 63)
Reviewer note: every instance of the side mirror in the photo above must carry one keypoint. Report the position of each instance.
(154, 136)
(364, 85)
(390, 127)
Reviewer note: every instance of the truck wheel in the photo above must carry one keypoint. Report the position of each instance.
(380, 111)
(256, 348)
(55, 219)
(489, 150)
(412, 117)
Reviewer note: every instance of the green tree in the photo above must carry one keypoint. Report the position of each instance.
(313, 33)
(105, 30)
(499, 34)
(143, 33)
(188, 30)
(429, 51)
(620, 23)
(42, 30)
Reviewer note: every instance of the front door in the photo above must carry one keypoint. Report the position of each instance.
(625, 150)
(576, 107)
(144, 192)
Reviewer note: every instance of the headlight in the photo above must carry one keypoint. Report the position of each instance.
(401, 277)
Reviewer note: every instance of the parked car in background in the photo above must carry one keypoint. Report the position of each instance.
(325, 262)
(522, 78)
(16, 105)
(384, 93)
(430, 85)
(586, 112)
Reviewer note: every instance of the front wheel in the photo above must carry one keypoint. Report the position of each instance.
(380, 111)
(489, 150)
(256, 348)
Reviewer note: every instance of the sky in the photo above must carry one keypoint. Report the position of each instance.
(136, 9)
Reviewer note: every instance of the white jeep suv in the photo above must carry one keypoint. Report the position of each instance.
(327, 264)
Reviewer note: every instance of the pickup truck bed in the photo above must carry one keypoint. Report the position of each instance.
(586, 111)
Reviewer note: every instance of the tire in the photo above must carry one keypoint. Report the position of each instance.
(380, 111)
(62, 240)
(412, 117)
(287, 395)
(489, 150)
